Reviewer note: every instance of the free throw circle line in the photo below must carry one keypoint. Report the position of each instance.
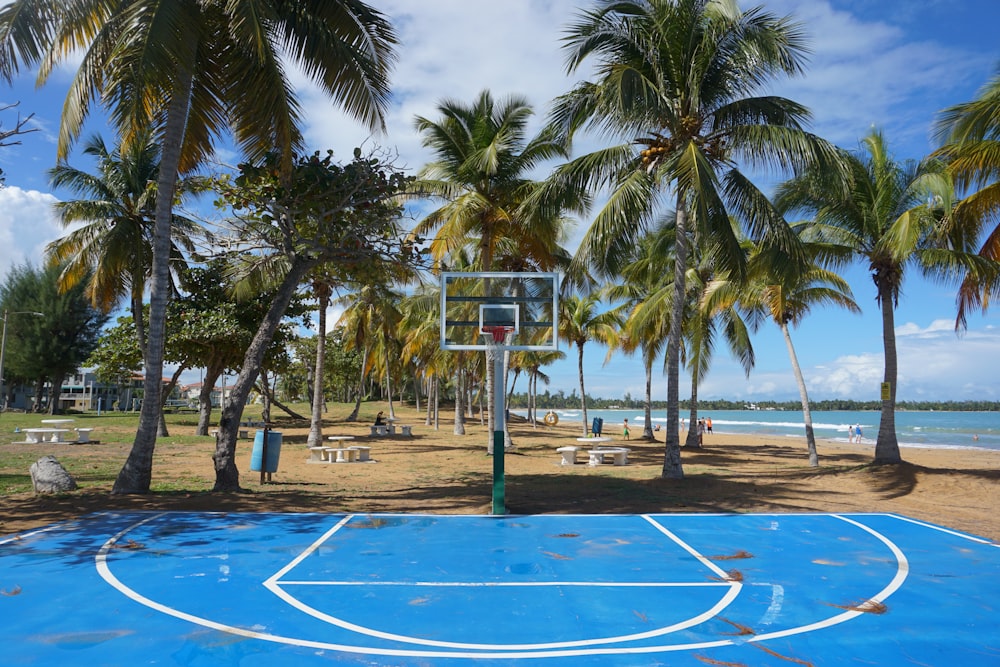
(274, 585)
(111, 579)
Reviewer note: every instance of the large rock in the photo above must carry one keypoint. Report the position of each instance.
(49, 476)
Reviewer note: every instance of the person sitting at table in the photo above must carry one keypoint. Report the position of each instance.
(380, 418)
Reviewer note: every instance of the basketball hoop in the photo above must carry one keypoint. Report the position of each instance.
(499, 333)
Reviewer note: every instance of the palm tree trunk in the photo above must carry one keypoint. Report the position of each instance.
(887, 446)
(459, 404)
(353, 417)
(647, 430)
(136, 475)
(416, 389)
(428, 418)
(315, 438)
(694, 433)
(388, 383)
(672, 448)
(227, 476)
(533, 397)
(803, 395)
(583, 393)
(437, 403)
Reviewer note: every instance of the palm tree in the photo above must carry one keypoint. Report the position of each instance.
(971, 132)
(322, 287)
(370, 320)
(579, 323)
(113, 250)
(885, 213)
(778, 290)
(419, 330)
(644, 291)
(192, 70)
(482, 160)
(701, 330)
(682, 79)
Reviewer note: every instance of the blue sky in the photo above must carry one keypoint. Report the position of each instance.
(892, 64)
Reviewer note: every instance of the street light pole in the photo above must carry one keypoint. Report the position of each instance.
(3, 348)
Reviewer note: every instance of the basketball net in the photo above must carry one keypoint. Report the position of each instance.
(499, 334)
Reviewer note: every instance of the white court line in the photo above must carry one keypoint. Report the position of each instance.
(275, 586)
(947, 531)
(682, 544)
(513, 584)
(17, 537)
(902, 570)
(105, 572)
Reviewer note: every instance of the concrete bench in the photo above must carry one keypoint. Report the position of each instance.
(568, 455)
(618, 455)
(343, 454)
(364, 453)
(317, 455)
(380, 429)
(83, 434)
(39, 435)
(407, 430)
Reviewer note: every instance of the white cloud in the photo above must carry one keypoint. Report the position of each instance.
(452, 49)
(27, 224)
(865, 73)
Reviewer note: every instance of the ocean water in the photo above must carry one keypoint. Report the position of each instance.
(913, 428)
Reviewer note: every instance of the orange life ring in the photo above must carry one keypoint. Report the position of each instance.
(551, 419)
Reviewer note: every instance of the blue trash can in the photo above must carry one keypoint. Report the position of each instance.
(273, 452)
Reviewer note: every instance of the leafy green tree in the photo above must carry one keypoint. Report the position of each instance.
(971, 135)
(192, 70)
(342, 366)
(683, 79)
(885, 213)
(50, 347)
(342, 216)
(117, 358)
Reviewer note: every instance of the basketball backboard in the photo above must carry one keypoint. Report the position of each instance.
(526, 303)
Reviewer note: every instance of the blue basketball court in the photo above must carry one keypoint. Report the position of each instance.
(546, 590)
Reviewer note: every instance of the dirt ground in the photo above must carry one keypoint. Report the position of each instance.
(435, 471)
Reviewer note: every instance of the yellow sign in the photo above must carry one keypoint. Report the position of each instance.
(886, 391)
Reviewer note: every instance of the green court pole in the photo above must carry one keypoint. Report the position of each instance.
(499, 506)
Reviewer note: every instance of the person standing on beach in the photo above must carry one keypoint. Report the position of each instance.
(625, 430)
(857, 433)
(708, 424)
(850, 433)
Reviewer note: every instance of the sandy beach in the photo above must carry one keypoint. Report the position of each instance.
(437, 472)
